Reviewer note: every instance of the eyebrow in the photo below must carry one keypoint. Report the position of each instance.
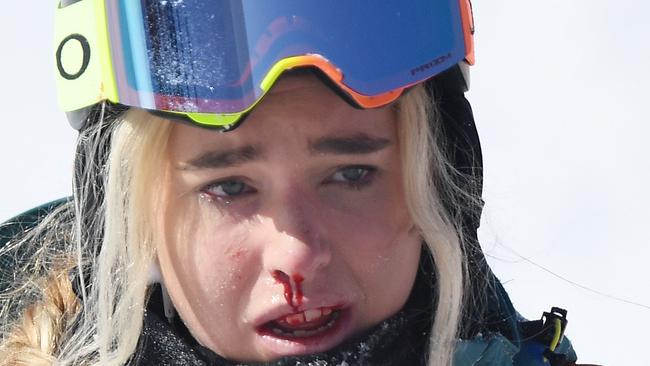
(222, 158)
(356, 144)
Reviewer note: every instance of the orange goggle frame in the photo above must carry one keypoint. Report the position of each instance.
(212, 61)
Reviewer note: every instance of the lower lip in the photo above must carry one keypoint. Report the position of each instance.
(329, 339)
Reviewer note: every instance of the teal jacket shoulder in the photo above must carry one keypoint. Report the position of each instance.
(496, 350)
(20, 224)
(27, 220)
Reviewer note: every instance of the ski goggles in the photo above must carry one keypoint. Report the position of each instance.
(212, 61)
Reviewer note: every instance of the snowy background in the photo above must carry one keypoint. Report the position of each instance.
(560, 97)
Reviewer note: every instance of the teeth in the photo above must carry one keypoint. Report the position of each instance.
(295, 319)
(306, 316)
(301, 333)
(312, 314)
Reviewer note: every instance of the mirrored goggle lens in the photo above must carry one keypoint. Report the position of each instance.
(217, 56)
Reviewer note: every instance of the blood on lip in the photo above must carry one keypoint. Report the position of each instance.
(294, 301)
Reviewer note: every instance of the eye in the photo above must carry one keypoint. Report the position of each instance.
(355, 176)
(228, 189)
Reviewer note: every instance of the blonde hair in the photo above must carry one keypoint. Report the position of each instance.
(426, 176)
(110, 231)
(109, 241)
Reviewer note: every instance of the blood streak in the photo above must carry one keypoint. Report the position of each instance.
(297, 280)
(284, 279)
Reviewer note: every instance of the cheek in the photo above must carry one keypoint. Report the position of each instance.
(375, 220)
(374, 246)
(382, 257)
(375, 236)
(206, 257)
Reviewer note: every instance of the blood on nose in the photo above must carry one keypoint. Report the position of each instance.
(292, 294)
(297, 280)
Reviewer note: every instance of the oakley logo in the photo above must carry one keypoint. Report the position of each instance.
(430, 64)
(85, 49)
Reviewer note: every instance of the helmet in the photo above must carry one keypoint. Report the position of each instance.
(212, 61)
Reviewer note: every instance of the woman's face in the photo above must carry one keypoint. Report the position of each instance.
(289, 234)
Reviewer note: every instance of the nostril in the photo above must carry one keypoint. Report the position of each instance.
(292, 287)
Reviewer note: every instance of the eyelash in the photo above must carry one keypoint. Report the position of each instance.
(366, 178)
(225, 197)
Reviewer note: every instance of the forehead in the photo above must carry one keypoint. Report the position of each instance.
(299, 108)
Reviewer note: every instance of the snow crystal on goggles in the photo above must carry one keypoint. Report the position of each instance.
(212, 60)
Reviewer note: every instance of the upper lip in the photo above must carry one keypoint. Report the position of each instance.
(281, 311)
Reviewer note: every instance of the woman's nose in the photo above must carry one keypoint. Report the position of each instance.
(298, 242)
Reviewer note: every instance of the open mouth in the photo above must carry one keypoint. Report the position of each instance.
(305, 324)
